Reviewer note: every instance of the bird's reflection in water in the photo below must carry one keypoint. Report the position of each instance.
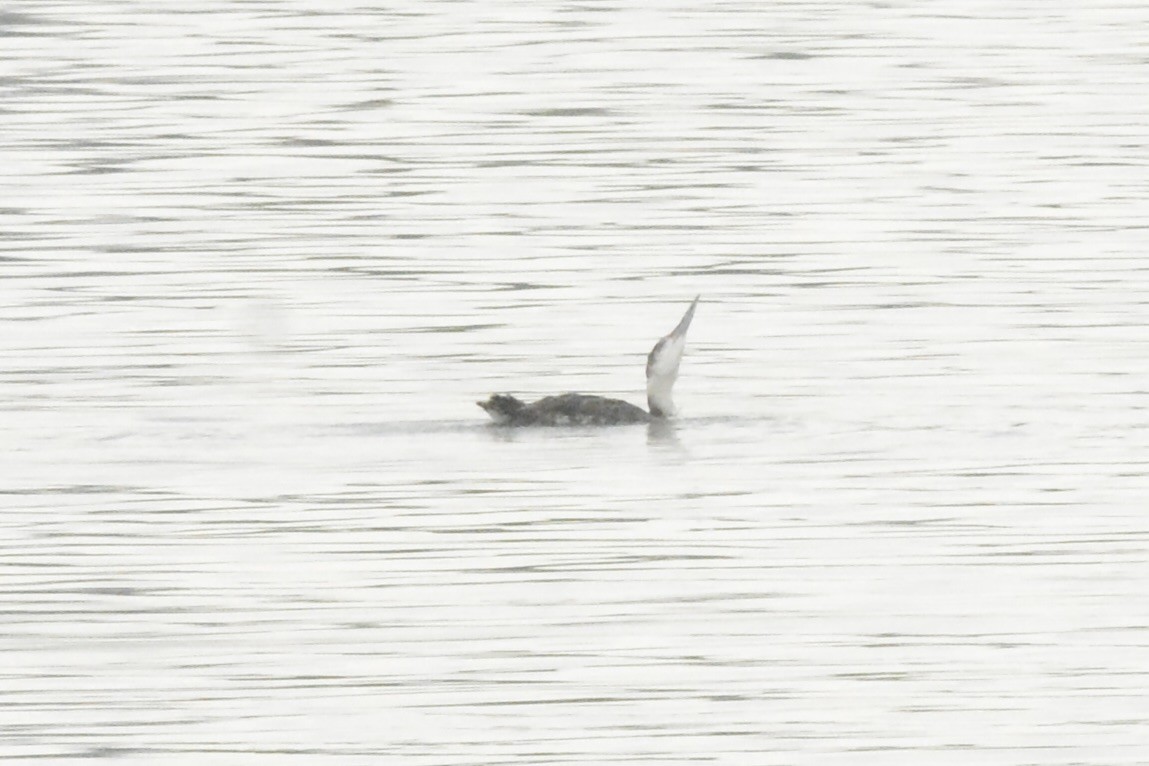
(663, 433)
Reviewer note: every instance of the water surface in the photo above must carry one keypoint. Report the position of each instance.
(259, 260)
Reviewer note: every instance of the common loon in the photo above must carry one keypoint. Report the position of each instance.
(588, 410)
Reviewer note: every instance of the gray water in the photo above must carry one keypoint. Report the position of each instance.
(259, 259)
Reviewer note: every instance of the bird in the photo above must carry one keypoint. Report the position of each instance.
(591, 410)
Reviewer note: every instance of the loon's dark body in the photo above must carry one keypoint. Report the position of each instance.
(589, 410)
(564, 410)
